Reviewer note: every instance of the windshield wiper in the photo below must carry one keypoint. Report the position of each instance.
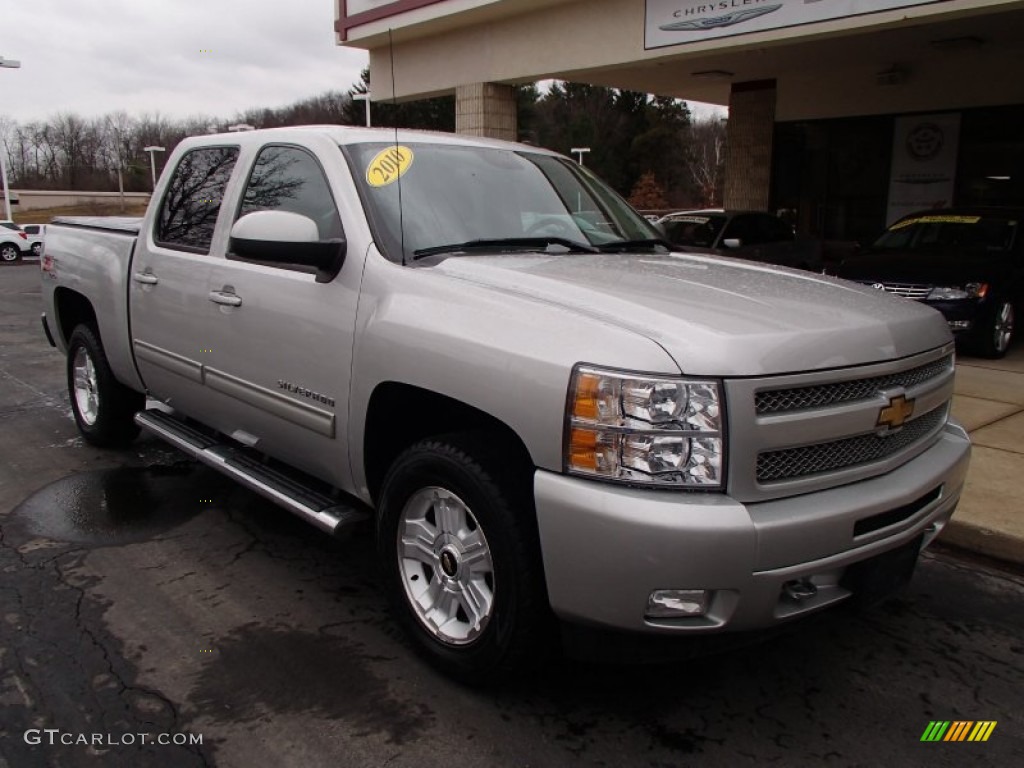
(573, 246)
(628, 245)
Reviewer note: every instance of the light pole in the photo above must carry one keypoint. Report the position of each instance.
(6, 64)
(152, 160)
(365, 97)
(580, 152)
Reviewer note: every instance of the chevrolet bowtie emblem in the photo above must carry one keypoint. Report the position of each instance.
(896, 412)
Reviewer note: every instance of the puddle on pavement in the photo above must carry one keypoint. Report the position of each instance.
(120, 505)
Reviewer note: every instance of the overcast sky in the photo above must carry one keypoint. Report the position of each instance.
(178, 57)
(181, 57)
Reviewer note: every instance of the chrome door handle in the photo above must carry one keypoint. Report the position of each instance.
(227, 299)
(146, 278)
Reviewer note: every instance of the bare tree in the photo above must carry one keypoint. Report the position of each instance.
(706, 159)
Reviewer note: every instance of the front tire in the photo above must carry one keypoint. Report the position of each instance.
(998, 330)
(462, 569)
(104, 409)
(9, 252)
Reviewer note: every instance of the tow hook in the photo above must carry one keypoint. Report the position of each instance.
(799, 590)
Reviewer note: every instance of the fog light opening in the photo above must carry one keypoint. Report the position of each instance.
(677, 603)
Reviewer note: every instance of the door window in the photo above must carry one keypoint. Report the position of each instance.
(290, 179)
(742, 228)
(772, 229)
(192, 199)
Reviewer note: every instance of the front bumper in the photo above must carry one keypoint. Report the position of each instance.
(606, 548)
(961, 314)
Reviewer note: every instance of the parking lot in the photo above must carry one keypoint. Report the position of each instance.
(141, 593)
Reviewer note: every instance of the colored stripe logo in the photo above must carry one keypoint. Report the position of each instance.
(958, 730)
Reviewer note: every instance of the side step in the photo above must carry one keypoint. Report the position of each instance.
(328, 514)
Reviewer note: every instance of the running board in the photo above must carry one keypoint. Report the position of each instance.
(326, 513)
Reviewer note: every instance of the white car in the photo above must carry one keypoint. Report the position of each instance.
(14, 242)
(36, 233)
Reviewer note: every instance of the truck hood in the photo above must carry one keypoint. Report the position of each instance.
(718, 316)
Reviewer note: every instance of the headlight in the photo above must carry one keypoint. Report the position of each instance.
(650, 430)
(969, 291)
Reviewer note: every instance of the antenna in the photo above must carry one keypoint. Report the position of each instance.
(394, 102)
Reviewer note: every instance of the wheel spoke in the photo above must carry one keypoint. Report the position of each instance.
(444, 609)
(476, 600)
(475, 551)
(450, 514)
(416, 548)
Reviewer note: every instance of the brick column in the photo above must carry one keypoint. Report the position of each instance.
(748, 160)
(486, 109)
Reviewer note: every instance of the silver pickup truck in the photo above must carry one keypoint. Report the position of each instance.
(551, 419)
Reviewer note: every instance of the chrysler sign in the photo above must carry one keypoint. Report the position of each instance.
(677, 22)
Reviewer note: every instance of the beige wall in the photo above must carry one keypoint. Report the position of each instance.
(823, 69)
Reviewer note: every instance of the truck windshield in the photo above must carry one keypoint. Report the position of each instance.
(946, 232)
(425, 199)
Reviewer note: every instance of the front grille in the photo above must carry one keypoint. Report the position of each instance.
(819, 396)
(791, 463)
(907, 290)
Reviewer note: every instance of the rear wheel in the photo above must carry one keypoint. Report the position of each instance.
(9, 252)
(997, 332)
(37, 249)
(458, 545)
(104, 409)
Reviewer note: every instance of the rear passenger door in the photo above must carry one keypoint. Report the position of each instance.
(280, 342)
(169, 278)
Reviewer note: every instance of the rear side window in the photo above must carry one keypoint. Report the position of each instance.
(192, 200)
(290, 179)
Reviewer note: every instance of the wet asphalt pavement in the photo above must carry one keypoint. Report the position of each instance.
(141, 593)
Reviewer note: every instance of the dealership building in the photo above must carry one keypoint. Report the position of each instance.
(844, 113)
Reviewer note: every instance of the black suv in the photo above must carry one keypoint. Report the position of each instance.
(968, 263)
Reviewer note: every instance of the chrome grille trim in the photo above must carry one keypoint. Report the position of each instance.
(907, 290)
(819, 396)
(791, 463)
(752, 434)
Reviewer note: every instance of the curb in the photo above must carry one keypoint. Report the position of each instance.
(983, 541)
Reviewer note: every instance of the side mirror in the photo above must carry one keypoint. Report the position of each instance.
(286, 239)
(732, 242)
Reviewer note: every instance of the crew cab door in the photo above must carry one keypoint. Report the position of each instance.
(280, 343)
(169, 277)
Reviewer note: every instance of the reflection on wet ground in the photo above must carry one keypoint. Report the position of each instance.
(116, 506)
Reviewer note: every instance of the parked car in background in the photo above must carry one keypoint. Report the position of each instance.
(968, 263)
(14, 242)
(752, 235)
(36, 234)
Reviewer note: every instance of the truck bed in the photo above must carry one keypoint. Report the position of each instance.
(129, 225)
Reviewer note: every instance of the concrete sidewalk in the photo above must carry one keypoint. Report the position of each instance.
(989, 401)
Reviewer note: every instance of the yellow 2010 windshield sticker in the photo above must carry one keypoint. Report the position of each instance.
(388, 165)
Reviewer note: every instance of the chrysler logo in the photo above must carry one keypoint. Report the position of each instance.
(714, 22)
(896, 412)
